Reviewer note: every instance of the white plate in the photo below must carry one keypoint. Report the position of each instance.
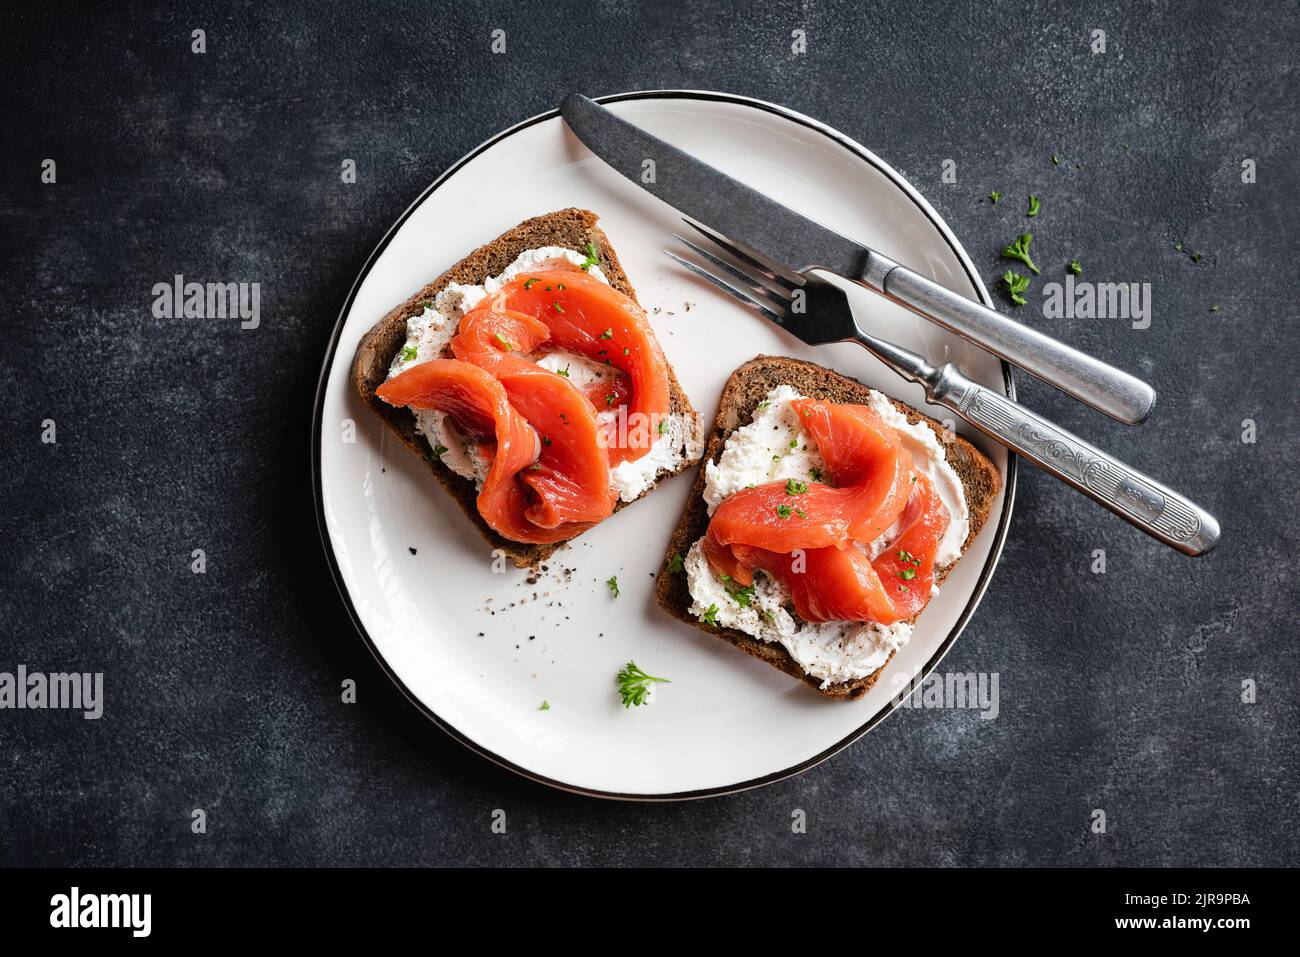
(727, 721)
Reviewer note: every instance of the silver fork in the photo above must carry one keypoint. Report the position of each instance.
(819, 313)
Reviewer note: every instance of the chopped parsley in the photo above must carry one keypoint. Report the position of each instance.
(743, 597)
(408, 353)
(710, 616)
(505, 343)
(439, 451)
(593, 257)
(764, 404)
(995, 196)
(663, 423)
(627, 351)
(634, 685)
(815, 474)
(528, 283)
(1056, 160)
(612, 584)
(1075, 268)
(608, 333)
(1016, 284)
(675, 563)
(609, 399)
(1034, 206)
(784, 511)
(546, 706)
(1019, 250)
(558, 307)
(564, 372)
(795, 487)
(907, 574)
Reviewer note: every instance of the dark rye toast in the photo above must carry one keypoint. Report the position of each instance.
(747, 387)
(569, 228)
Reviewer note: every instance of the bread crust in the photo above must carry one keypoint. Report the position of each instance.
(747, 387)
(570, 228)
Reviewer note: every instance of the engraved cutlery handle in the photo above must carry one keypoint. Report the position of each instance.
(1142, 501)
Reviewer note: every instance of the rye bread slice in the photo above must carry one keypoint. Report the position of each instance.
(747, 387)
(569, 228)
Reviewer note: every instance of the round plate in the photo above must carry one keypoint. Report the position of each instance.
(480, 648)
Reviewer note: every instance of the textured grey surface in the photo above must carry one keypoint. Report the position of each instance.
(1119, 691)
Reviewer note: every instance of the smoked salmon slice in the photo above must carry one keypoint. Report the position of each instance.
(571, 476)
(812, 537)
(478, 405)
(592, 319)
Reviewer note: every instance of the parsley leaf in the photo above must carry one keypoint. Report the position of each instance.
(634, 685)
(408, 353)
(1075, 267)
(593, 257)
(710, 616)
(1016, 284)
(612, 584)
(995, 196)
(1034, 205)
(795, 487)
(675, 563)
(1020, 250)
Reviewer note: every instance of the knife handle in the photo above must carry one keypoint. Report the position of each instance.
(1105, 388)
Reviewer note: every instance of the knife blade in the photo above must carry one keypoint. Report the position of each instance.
(786, 239)
(789, 244)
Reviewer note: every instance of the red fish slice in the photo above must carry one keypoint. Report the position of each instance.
(571, 475)
(592, 319)
(478, 406)
(813, 541)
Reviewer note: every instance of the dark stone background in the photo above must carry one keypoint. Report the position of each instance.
(1119, 691)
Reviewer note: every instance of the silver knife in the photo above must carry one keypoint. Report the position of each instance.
(791, 244)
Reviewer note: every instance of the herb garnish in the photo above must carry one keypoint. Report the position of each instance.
(710, 616)
(505, 343)
(1016, 284)
(564, 372)
(612, 584)
(593, 258)
(528, 283)
(815, 474)
(1034, 206)
(995, 196)
(546, 706)
(439, 451)
(408, 353)
(795, 487)
(675, 563)
(1075, 267)
(784, 511)
(608, 333)
(1020, 250)
(634, 685)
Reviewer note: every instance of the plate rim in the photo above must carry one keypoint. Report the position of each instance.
(322, 384)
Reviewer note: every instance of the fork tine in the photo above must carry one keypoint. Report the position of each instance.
(772, 288)
(745, 297)
(775, 273)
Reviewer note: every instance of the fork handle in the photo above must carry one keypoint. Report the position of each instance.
(1105, 388)
(1142, 501)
